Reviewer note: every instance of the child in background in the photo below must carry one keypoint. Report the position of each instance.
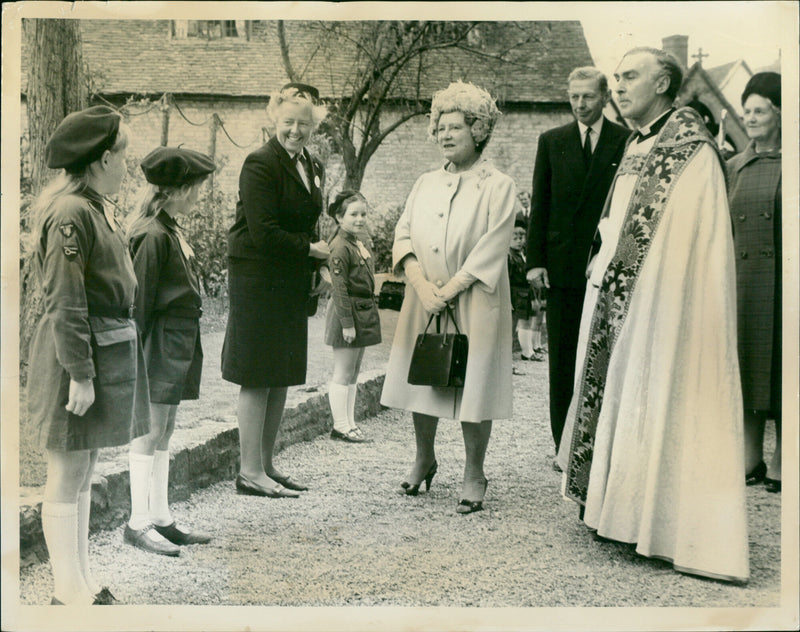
(352, 319)
(168, 314)
(523, 314)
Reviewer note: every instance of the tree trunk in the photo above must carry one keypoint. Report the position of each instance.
(56, 84)
(56, 87)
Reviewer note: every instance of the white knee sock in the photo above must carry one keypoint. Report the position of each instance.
(159, 489)
(337, 394)
(525, 341)
(352, 391)
(84, 509)
(141, 467)
(60, 528)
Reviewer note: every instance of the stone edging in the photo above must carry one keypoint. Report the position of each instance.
(195, 467)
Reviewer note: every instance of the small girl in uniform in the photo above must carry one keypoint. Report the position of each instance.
(522, 314)
(87, 385)
(352, 320)
(168, 314)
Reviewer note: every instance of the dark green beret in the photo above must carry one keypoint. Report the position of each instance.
(764, 84)
(82, 137)
(343, 196)
(176, 166)
(303, 88)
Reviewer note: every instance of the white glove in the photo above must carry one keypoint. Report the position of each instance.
(426, 291)
(457, 284)
(349, 334)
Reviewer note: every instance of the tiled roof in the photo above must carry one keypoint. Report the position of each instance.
(142, 57)
(718, 73)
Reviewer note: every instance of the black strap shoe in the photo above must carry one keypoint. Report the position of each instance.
(177, 536)
(143, 539)
(104, 598)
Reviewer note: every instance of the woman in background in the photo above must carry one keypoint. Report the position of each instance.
(755, 204)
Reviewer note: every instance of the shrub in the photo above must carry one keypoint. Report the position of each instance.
(206, 229)
(383, 238)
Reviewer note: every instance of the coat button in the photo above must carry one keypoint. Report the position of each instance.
(742, 218)
(435, 248)
(766, 253)
(441, 214)
(744, 254)
(439, 283)
(767, 215)
(449, 184)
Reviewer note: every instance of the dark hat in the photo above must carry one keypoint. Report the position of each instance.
(520, 221)
(765, 84)
(82, 137)
(346, 194)
(176, 166)
(303, 88)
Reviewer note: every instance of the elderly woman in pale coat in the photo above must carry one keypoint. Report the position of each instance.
(451, 244)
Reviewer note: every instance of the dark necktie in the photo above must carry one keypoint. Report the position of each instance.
(587, 147)
(301, 160)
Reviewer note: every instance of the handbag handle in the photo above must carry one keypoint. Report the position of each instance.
(438, 321)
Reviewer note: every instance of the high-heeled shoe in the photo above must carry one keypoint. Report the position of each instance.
(757, 474)
(471, 506)
(413, 490)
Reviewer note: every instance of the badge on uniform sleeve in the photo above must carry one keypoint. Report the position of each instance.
(336, 265)
(68, 229)
(70, 252)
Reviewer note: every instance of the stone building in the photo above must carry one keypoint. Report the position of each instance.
(205, 84)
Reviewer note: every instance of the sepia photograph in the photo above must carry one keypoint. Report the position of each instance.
(400, 316)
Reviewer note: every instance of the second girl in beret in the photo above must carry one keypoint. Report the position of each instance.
(168, 314)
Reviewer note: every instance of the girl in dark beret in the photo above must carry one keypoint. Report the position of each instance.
(352, 320)
(87, 385)
(168, 309)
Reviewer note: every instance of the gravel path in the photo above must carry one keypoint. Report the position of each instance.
(353, 541)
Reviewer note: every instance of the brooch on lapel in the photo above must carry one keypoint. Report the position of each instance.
(316, 181)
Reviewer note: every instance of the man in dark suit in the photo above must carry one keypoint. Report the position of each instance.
(575, 165)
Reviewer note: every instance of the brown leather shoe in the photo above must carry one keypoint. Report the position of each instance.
(143, 539)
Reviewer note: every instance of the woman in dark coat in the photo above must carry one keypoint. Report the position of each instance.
(271, 254)
(755, 204)
(87, 384)
(168, 314)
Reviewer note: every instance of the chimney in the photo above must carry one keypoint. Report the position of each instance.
(678, 45)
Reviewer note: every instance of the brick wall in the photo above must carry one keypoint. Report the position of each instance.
(390, 174)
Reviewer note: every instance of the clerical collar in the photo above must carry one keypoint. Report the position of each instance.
(648, 131)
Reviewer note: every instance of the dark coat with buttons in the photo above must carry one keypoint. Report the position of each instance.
(86, 332)
(755, 204)
(567, 199)
(269, 269)
(352, 302)
(168, 308)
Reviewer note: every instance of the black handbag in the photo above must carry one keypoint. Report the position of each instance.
(391, 295)
(439, 359)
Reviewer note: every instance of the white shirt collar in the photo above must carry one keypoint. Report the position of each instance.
(596, 127)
